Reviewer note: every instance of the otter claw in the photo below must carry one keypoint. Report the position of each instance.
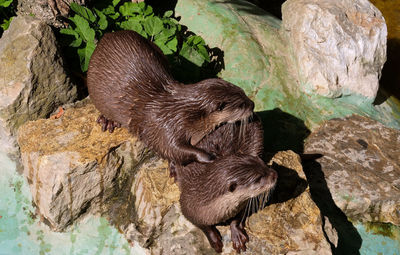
(107, 124)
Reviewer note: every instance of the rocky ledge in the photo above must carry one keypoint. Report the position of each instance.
(74, 169)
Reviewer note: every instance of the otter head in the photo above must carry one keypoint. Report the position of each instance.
(227, 185)
(216, 102)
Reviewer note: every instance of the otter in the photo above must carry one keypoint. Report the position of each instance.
(219, 192)
(130, 83)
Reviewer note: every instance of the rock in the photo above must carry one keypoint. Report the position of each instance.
(77, 170)
(340, 46)
(292, 224)
(33, 80)
(360, 165)
(257, 55)
(47, 10)
(72, 167)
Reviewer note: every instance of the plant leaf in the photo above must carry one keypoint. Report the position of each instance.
(164, 48)
(129, 9)
(69, 31)
(168, 14)
(115, 2)
(85, 54)
(102, 19)
(204, 53)
(191, 54)
(153, 25)
(109, 10)
(173, 44)
(83, 11)
(5, 3)
(165, 34)
(197, 40)
(82, 27)
(132, 24)
(148, 11)
(6, 23)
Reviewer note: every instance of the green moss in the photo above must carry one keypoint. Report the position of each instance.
(384, 229)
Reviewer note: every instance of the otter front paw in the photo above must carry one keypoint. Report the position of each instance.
(214, 237)
(107, 124)
(239, 238)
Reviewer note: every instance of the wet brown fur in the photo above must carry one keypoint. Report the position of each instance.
(237, 161)
(207, 198)
(130, 83)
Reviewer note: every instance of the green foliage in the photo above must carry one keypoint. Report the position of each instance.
(89, 25)
(7, 11)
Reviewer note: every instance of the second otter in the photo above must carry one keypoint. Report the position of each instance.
(130, 83)
(219, 191)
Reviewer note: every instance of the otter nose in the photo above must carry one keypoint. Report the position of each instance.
(272, 176)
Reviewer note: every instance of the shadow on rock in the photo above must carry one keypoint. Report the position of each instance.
(283, 131)
(289, 185)
(349, 240)
(390, 81)
(188, 72)
(271, 6)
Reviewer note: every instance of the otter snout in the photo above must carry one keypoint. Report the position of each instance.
(266, 181)
(272, 177)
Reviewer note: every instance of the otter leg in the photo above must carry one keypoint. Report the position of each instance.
(107, 124)
(238, 235)
(214, 237)
(172, 171)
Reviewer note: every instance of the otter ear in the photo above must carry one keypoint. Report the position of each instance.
(196, 137)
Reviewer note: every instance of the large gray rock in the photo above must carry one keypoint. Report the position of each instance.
(72, 167)
(340, 46)
(47, 10)
(33, 82)
(361, 166)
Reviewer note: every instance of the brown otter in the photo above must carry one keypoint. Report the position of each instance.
(130, 83)
(219, 191)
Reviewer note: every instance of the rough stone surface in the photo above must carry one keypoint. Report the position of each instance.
(340, 46)
(291, 224)
(72, 166)
(361, 167)
(33, 82)
(47, 10)
(76, 169)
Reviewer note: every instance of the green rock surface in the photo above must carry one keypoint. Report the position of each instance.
(257, 58)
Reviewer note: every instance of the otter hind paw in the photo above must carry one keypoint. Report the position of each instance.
(107, 124)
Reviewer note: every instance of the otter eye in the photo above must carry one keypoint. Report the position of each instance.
(221, 106)
(232, 187)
